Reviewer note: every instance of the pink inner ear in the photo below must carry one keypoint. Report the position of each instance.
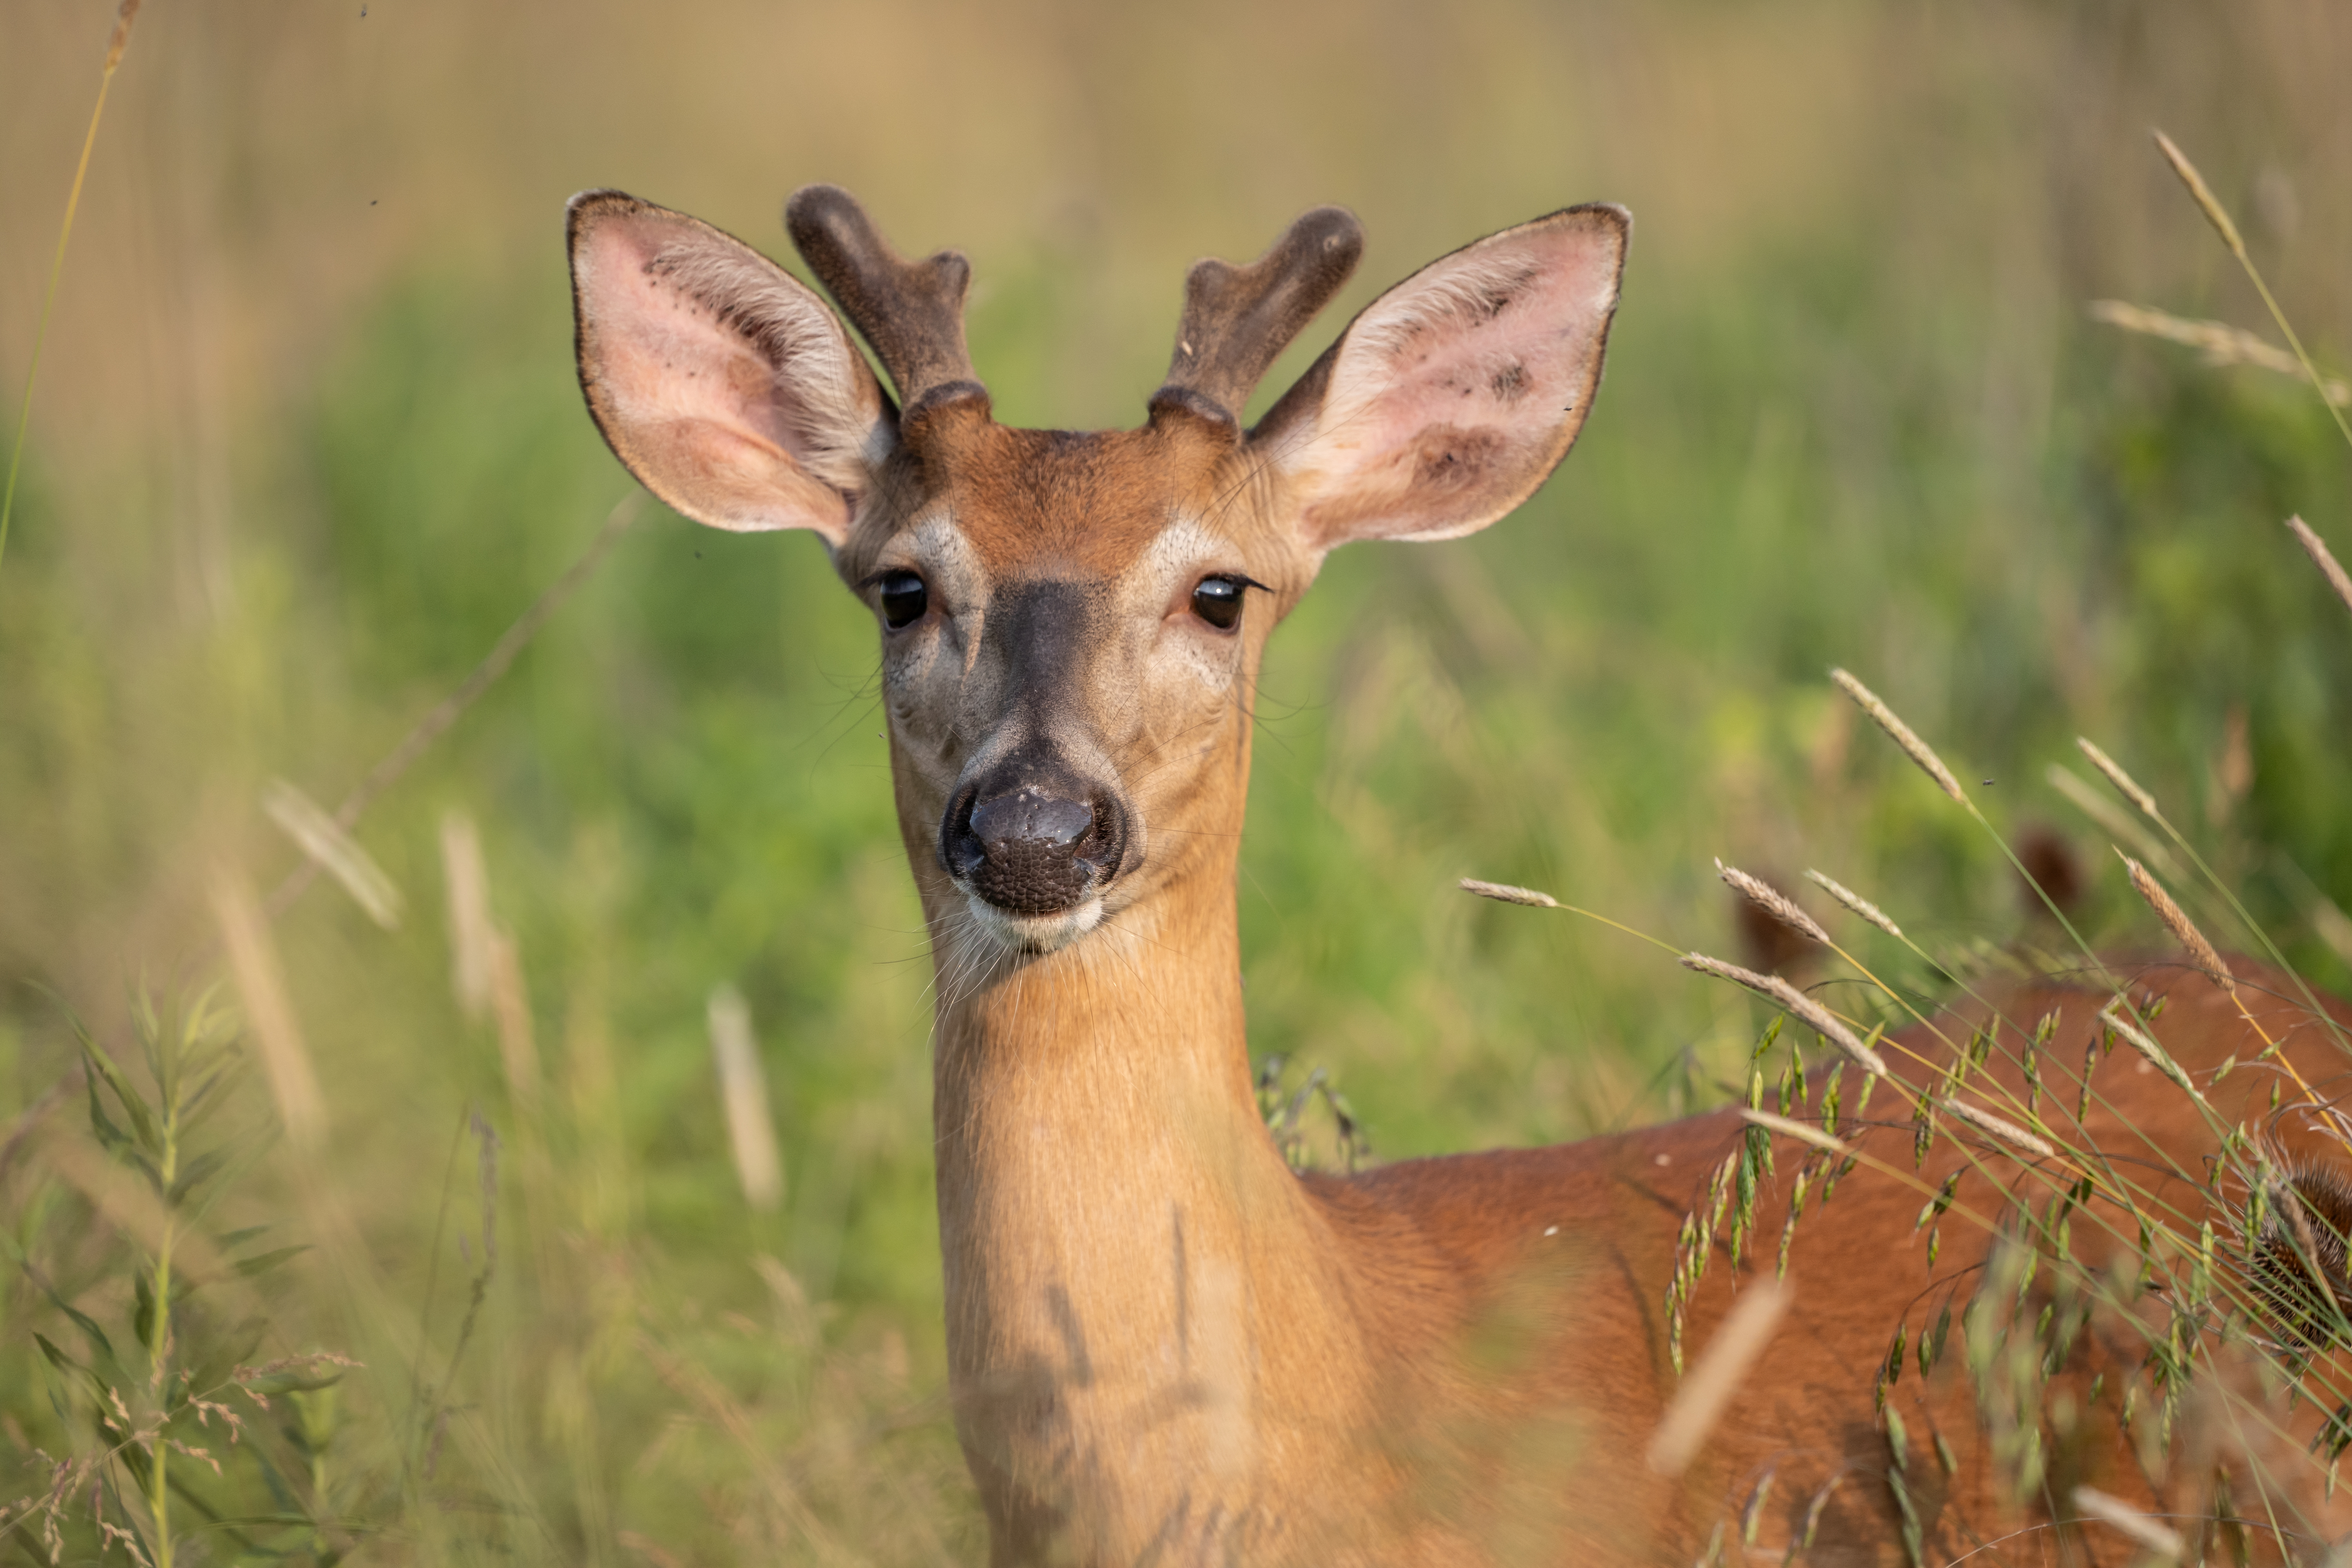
(725, 385)
(664, 356)
(1502, 339)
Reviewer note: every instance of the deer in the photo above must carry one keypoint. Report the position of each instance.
(1165, 1345)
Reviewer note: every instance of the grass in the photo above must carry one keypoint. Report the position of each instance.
(1876, 404)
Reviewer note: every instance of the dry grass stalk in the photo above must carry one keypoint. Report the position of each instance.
(1803, 1131)
(470, 926)
(1801, 1006)
(743, 1091)
(2200, 951)
(322, 839)
(2151, 1532)
(1505, 893)
(1992, 1126)
(1913, 746)
(2203, 194)
(2140, 1041)
(1854, 902)
(2221, 342)
(2118, 823)
(2117, 778)
(285, 1061)
(1773, 902)
(2321, 556)
(1699, 1403)
(2334, 926)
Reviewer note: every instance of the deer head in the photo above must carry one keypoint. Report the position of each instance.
(1071, 624)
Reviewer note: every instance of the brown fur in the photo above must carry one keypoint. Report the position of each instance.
(1164, 1346)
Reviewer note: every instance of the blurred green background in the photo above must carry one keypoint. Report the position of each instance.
(306, 440)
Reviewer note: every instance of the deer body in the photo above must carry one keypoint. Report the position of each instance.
(1164, 1346)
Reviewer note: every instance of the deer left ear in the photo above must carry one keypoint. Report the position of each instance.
(1457, 393)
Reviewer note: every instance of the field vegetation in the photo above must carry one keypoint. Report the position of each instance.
(305, 443)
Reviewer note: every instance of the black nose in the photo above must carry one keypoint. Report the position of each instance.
(1032, 844)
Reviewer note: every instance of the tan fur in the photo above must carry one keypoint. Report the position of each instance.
(1164, 1347)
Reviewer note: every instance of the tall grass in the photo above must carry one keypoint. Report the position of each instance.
(307, 445)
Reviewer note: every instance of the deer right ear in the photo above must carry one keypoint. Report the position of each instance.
(723, 383)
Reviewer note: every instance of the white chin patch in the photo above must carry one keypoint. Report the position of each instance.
(1034, 933)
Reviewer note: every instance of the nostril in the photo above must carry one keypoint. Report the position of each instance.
(1029, 819)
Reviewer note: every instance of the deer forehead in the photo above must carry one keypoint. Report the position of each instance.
(1104, 509)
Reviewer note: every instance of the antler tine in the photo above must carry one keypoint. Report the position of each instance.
(1238, 319)
(911, 311)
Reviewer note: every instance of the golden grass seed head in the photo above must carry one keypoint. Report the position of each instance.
(2317, 548)
(2200, 951)
(1773, 902)
(2140, 1041)
(2117, 778)
(1903, 735)
(1506, 893)
(1854, 902)
(2203, 194)
(1802, 1007)
(2006, 1132)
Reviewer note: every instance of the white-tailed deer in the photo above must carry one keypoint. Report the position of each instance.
(1165, 1346)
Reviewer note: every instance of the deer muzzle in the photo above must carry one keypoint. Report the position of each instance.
(1033, 842)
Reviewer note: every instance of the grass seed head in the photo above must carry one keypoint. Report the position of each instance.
(1802, 1007)
(1506, 893)
(2316, 547)
(1992, 1126)
(1884, 717)
(2200, 951)
(2219, 342)
(1854, 902)
(2203, 194)
(2117, 778)
(1773, 902)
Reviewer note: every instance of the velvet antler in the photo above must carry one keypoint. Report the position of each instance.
(1238, 319)
(910, 311)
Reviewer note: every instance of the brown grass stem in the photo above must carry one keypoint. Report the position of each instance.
(1721, 1368)
(2323, 558)
(2147, 1530)
(119, 40)
(2219, 342)
(450, 708)
(2219, 217)
(1886, 719)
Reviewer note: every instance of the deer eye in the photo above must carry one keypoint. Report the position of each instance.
(1218, 601)
(904, 599)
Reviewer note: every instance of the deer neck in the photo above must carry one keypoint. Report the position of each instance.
(1132, 1272)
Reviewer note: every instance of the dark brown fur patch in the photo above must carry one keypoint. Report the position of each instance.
(1449, 458)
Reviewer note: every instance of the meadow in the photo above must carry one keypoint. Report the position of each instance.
(305, 441)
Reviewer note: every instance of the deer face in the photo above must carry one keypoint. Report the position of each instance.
(1071, 624)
